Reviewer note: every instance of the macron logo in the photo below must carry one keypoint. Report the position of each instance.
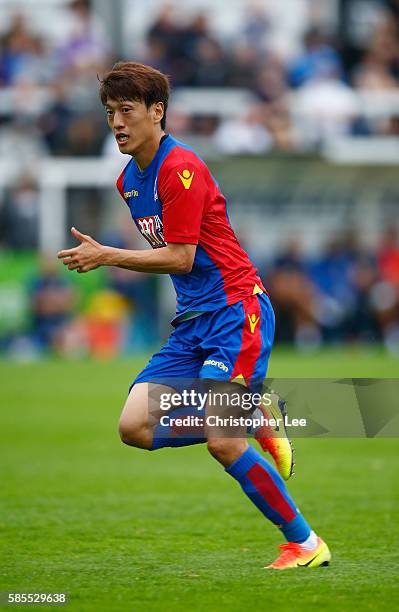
(131, 194)
(186, 178)
(218, 364)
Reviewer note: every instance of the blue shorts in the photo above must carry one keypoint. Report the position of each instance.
(229, 344)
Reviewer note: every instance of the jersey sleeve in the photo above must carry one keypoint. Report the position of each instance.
(119, 185)
(182, 190)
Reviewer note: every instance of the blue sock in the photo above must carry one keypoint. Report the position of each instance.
(266, 489)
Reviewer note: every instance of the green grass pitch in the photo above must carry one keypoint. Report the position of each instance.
(121, 529)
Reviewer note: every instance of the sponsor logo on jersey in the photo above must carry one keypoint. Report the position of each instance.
(186, 178)
(131, 194)
(218, 364)
(253, 322)
(152, 230)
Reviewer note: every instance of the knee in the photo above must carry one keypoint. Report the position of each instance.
(227, 450)
(136, 435)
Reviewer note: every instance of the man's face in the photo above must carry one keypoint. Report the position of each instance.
(132, 123)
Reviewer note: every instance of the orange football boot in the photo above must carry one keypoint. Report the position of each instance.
(295, 555)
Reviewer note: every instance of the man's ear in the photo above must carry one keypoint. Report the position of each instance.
(158, 111)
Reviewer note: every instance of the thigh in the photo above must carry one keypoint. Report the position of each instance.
(167, 370)
(142, 407)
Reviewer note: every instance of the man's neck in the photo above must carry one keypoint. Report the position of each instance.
(145, 157)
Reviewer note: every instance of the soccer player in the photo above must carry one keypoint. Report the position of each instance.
(224, 324)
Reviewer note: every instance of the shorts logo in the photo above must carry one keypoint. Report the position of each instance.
(152, 230)
(253, 322)
(186, 178)
(131, 194)
(218, 364)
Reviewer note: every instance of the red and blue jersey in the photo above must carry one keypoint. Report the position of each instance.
(176, 199)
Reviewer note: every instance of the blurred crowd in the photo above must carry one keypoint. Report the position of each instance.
(54, 103)
(49, 105)
(300, 98)
(47, 310)
(347, 293)
(344, 294)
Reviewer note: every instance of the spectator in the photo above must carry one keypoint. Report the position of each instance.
(363, 318)
(319, 60)
(294, 298)
(55, 120)
(331, 273)
(84, 136)
(388, 257)
(86, 46)
(211, 69)
(271, 83)
(324, 108)
(247, 134)
(279, 124)
(243, 67)
(256, 28)
(23, 56)
(22, 141)
(53, 302)
(172, 47)
(165, 31)
(378, 69)
(385, 293)
(156, 54)
(19, 216)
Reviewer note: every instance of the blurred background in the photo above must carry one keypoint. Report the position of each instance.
(294, 104)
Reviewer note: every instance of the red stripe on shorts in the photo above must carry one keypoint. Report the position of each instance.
(251, 342)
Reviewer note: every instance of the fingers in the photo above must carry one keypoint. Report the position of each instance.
(73, 265)
(70, 252)
(72, 257)
(78, 235)
(67, 253)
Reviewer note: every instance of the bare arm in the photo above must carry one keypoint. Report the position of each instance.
(175, 258)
